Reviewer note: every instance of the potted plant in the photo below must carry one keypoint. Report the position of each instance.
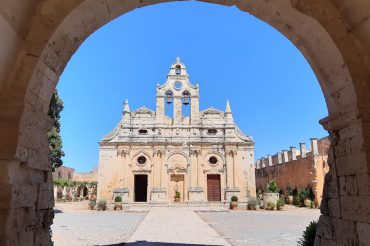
(102, 205)
(92, 204)
(234, 202)
(291, 192)
(271, 193)
(118, 203)
(252, 203)
(177, 196)
(280, 204)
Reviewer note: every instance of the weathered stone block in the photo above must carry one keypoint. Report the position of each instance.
(331, 189)
(348, 185)
(363, 181)
(363, 232)
(334, 208)
(356, 208)
(351, 164)
(344, 232)
(324, 229)
(45, 199)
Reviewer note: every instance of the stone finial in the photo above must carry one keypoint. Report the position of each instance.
(269, 160)
(126, 107)
(178, 59)
(314, 146)
(280, 159)
(293, 150)
(228, 113)
(302, 147)
(285, 156)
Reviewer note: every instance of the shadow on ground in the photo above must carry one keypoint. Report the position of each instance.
(145, 243)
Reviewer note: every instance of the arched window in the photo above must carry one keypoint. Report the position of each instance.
(168, 107)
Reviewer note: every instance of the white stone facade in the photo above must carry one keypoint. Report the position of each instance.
(149, 155)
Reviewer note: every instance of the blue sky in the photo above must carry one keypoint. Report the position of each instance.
(273, 93)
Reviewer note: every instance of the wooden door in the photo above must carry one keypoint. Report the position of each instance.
(213, 187)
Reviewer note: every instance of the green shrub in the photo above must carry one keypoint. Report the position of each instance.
(252, 202)
(270, 206)
(102, 205)
(279, 206)
(177, 194)
(301, 196)
(308, 237)
(92, 204)
(312, 204)
(272, 187)
(118, 199)
(310, 194)
(234, 198)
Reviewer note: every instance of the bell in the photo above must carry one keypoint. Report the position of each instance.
(186, 99)
(178, 70)
(169, 97)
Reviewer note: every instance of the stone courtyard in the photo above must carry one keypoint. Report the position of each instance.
(74, 225)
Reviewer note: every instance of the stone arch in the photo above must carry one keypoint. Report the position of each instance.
(218, 155)
(177, 160)
(142, 153)
(40, 37)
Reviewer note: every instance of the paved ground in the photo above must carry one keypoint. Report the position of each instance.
(176, 226)
(261, 227)
(83, 227)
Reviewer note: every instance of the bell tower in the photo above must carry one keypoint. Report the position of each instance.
(179, 92)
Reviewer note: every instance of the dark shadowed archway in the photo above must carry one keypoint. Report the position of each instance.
(39, 37)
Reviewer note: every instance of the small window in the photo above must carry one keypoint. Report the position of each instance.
(143, 131)
(178, 69)
(212, 131)
(141, 160)
(213, 160)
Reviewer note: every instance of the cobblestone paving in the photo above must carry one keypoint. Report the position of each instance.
(72, 228)
(268, 228)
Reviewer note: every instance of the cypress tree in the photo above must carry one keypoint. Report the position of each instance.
(55, 140)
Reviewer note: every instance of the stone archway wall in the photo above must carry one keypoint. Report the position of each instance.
(38, 38)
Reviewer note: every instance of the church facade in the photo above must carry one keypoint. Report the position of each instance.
(154, 158)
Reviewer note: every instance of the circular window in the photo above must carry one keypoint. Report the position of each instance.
(177, 85)
(141, 160)
(213, 160)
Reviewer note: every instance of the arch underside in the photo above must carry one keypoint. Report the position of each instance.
(40, 37)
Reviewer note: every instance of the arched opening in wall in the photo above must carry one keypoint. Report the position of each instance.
(186, 104)
(275, 120)
(324, 56)
(169, 104)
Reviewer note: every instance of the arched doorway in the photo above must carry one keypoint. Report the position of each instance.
(331, 37)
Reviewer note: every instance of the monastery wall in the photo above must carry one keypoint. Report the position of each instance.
(308, 169)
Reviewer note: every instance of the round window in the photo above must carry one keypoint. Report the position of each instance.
(178, 85)
(213, 160)
(141, 160)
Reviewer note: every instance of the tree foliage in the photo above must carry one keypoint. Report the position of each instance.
(55, 140)
(308, 237)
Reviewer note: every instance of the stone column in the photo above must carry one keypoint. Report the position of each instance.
(160, 110)
(194, 113)
(177, 110)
